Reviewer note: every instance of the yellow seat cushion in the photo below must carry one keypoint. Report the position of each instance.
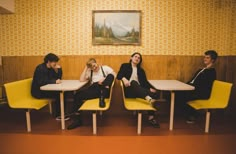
(29, 104)
(205, 104)
(19, 95)
(93, 104)
(137, 104)
(219, 97)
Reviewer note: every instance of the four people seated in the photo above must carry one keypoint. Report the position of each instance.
(132, 75)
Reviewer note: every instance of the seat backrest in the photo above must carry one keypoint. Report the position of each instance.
(111, 89)
(123, 92)
(18, 90)
(220, 93)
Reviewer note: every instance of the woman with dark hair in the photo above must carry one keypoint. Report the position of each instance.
(136, 84)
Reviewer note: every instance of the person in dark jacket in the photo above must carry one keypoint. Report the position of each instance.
(49, 72)
(136, 84)
(202, 81)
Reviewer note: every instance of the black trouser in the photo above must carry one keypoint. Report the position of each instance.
(136, 91)
(91, 92)
(56, 110)
(182, 97)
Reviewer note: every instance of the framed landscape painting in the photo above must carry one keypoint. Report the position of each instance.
(111, 27)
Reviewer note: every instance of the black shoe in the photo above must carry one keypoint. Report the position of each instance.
(154, 123)
(76, 123)
(155, 104)
(102, 103)
(191, 120)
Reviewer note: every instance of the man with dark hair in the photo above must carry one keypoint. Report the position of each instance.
(202, 81)
(48, 72)
(213, 54)
(51, 58)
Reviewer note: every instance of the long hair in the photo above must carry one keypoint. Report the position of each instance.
(141, 59)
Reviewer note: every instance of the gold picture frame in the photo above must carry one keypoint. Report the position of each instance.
(116, 27)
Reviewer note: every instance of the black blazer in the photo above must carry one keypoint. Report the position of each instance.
(43, 76)
(126, 71)
(203, 82)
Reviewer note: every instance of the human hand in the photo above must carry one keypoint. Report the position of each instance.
(126, 82)
(101, 81)
(86, 68)
(57, 66)
(153, 90)
(58, 81)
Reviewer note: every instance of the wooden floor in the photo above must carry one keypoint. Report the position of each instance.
(180, 144)
(116, 135)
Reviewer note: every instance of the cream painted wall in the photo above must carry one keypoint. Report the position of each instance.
(169, 27)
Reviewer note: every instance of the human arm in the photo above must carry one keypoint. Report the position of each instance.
(203, 83)
(107, 71)
(144, 82)
(84, 75)
(42, 76)
(57, 73)
(122, 75)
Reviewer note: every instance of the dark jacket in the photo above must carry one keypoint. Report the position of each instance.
(126, 71)
(203, 82)
(43, 76)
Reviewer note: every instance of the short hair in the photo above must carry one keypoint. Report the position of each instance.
(90, 62)
(141, 58)
(51, 58)
(212, 53)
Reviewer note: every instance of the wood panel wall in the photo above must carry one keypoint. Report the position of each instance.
(156, 67)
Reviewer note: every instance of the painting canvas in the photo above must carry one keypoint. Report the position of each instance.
(116, 27)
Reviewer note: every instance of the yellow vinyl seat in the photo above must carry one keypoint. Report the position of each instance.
(219, 99)
(19, 97)
(136, 104)
(93, 105)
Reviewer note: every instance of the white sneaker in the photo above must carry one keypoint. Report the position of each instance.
(59, 118)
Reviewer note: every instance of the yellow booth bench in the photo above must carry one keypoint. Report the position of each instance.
(136, 104)
(219, 99)
(93, 105)
(19, 97)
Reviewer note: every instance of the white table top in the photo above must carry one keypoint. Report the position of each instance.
(66, 85)
(170, 85)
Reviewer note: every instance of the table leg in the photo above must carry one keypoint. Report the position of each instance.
(139, 123)
(161, 99)
(172, 105)
(62, 110)
(94, 123)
